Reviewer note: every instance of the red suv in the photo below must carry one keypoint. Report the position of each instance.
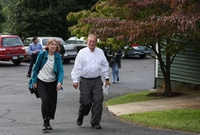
(11, 48)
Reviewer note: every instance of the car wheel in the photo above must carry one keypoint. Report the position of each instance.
(16, 62)
(143, 56)
(66, 60)
(124, 55)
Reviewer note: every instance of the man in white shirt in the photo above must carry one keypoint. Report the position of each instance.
(90, 65)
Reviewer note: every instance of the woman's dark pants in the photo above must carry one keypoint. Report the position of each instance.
(48, 94)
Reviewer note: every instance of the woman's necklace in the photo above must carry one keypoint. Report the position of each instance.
(51, 57)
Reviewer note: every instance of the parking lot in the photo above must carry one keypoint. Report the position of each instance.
(20, 111)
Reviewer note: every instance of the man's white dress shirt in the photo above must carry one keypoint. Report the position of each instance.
(90, 64)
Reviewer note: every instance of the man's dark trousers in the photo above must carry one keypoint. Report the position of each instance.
(32, 62)
(91, 97)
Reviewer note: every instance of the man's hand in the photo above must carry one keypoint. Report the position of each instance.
(36, 51)
(107, 83)
(75, 85)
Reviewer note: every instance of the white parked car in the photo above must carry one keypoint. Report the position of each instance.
(70, 50)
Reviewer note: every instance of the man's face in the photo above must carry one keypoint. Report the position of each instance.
(35, 41)
(92, 41)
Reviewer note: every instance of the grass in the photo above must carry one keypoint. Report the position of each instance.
(182, 119)
(135, 97)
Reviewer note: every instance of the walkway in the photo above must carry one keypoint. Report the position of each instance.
(156, 105)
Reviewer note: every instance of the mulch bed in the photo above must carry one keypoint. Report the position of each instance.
(162, 94)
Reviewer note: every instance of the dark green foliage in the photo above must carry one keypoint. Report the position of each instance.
(2, 16)
(42, 17)
(5, 2)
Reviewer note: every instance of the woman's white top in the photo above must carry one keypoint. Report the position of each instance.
(47, 73)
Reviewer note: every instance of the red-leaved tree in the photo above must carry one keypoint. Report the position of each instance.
(169, 24)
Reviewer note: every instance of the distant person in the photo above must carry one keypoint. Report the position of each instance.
(90, 64)
(34, 49)
(47, 78)
(114, 58)
(61, 49)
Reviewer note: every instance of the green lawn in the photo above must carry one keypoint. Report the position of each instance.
(135, 97)
(182, 119)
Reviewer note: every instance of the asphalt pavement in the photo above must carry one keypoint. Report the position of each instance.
(20, 112)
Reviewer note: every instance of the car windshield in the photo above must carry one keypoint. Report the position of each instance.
(75, 42)
(12, 41)
(27, 42)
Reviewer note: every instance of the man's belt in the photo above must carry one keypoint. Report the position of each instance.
(89, 78)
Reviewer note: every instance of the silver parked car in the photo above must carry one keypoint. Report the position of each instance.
(70, 50)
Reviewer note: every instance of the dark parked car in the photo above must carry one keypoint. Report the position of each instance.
(105, 50)
(11, 48)
(135, 49)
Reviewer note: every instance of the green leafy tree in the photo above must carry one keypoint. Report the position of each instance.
(5, 1)
(2, 16)
(170, 24)
(42, 18)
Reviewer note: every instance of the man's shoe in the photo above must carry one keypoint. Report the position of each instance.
(28, 75)
(79, 120)
(96, 126)
(118, 79)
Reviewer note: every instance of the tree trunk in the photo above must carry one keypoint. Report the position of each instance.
(165, 68)
(167, 80)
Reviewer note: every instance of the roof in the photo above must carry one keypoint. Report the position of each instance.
(43, 37)
(4, 35)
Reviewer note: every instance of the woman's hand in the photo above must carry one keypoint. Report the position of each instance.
(35, 86)
(59, 85)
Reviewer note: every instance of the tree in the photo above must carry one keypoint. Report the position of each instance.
(2, 16)
(171, 24)
(5, 1)
(42, 18)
